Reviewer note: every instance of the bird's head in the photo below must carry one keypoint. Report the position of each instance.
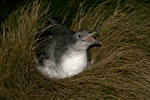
(84, 39)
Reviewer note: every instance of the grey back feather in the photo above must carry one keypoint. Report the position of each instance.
(53, 41)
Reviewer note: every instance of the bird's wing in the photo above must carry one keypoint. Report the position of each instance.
(52, 41)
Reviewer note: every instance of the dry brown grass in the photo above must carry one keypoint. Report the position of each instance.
(122, 65)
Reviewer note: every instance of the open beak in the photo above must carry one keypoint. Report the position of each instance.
(90, 39)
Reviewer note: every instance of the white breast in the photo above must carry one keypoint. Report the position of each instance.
(70, 64)
(73, 63)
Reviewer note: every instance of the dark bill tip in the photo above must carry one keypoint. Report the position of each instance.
(98, 43)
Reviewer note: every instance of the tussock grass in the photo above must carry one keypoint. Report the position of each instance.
(122, 65)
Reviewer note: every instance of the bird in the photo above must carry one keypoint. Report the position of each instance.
(61, 52)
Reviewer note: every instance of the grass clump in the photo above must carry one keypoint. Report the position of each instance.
(121, 69)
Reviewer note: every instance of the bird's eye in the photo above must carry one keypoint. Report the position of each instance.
(79, 36)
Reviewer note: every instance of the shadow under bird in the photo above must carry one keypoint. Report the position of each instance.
(61, 52)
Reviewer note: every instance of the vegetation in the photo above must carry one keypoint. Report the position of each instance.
(122, 65)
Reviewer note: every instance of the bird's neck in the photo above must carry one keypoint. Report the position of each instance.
(77, 47)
